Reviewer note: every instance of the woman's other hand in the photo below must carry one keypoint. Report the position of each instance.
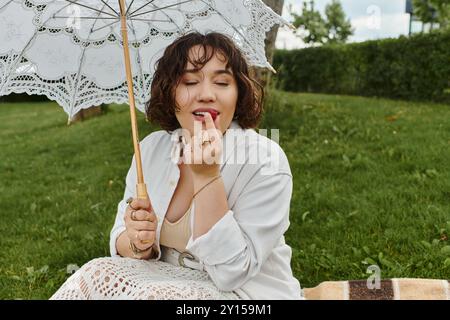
(203, 151)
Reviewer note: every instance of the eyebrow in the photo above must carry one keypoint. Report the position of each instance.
(216, 72)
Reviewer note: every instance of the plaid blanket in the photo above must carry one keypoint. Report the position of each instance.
(389, 289)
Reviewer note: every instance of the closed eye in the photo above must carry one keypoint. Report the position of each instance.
(224, 84)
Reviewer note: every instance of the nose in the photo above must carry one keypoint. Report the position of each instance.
(206, 93)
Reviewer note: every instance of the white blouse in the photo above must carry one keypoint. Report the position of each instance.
(245, 251)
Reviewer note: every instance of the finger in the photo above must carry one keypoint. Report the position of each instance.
(138, 204)
(143, 225)
(209, 122)
(197, 139)
(212, 130)
(205, 137)
(144, 239)
(143, 215)
(147, 235)
(141, 235)
(143, 246)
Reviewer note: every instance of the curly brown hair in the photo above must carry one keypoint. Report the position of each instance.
(161, 107)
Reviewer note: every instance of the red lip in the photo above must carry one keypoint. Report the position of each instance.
(210, 110)
(213, 112)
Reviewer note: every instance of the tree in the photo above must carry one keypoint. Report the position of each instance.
(314, 29)
(85, 114)
(312, 25)
(433, 12)
(262, 75)
(339, 29)
(443, 12)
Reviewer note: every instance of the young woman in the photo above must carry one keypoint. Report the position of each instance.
(219, 192)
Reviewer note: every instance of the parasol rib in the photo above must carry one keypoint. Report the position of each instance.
(6, 4)
(150, 20)
(87, 18)
(143, 6)
(129, 7)
(162, 11)
(160, 8)
(117, 14)
(106, 26)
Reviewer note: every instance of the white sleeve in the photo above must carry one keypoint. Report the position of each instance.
(235, 248)
(119, 224)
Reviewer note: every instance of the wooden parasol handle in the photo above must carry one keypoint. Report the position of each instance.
(141, 188)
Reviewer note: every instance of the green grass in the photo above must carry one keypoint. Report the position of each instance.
(371, 186)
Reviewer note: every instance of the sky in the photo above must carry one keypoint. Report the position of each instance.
(371, 19)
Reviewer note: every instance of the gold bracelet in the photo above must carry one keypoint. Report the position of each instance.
(215, 178)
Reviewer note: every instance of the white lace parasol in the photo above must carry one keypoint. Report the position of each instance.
(71, 50)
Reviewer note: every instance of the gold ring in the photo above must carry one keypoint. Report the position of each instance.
(129, 201)
(205, 137)
(206, 142)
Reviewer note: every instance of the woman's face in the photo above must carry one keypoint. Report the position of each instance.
(211, 88)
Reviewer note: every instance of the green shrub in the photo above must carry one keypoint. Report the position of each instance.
(415, 68)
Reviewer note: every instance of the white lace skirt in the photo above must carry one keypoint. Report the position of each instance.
(127, 278)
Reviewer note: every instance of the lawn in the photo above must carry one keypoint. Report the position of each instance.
(371, 186)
